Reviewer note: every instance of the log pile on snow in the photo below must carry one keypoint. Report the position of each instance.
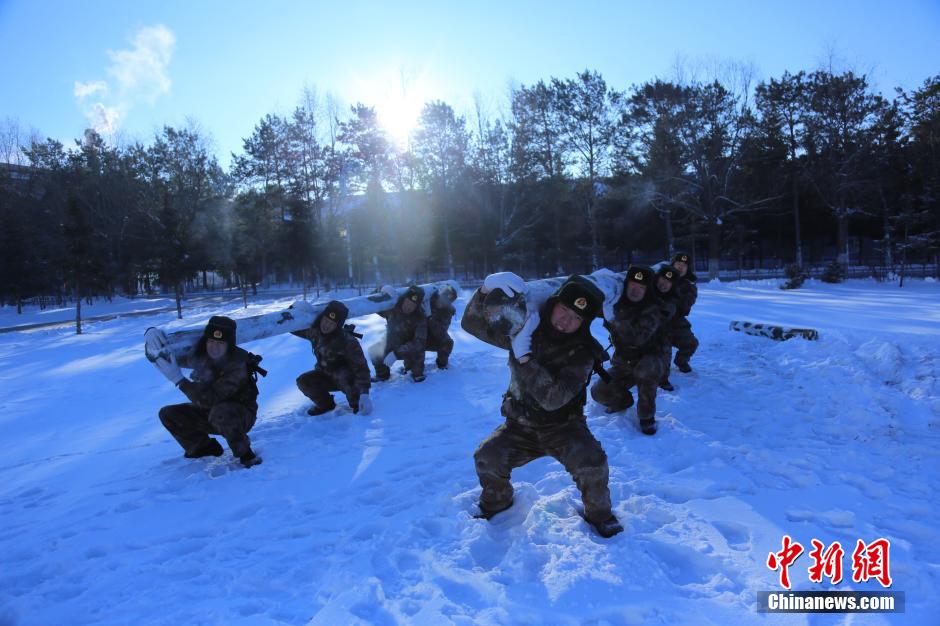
(771, 331)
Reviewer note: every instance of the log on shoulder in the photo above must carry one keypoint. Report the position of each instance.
(298, 316)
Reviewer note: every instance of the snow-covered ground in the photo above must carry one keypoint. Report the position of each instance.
(32, 314)
(356, 519)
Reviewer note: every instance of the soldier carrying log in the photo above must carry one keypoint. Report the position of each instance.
(635, 322)
(551, 360)
(406, 335)
(222, 395)
(680, 328)
(341, 364)
(442, 313)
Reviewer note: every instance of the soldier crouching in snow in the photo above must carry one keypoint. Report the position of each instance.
(680, 328)
(551, 360)
(635, 322)
(406, 336)
(341, 365)
(223, 395)
(442, 313)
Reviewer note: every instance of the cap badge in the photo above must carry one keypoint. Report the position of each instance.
(638, 276)
(581, 303)
(216, 334)
(332, 315)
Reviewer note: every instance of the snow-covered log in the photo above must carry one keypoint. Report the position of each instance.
(777, 333)
(301, 314)
(538, 291)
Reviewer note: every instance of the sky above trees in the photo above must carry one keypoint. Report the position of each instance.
(129, 68)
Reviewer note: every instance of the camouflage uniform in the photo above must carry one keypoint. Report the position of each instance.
(223, 401)
(439, 340)
(405, 335)
(341, 366)
(544, 411)
(637, 335)
(680, 329)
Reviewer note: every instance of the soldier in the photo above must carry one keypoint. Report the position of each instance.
(681, 329)
(341, 364)
(551, 360)
(635, 323)
(666, 277)
(442, 312)
(223, 395)
(405, 338)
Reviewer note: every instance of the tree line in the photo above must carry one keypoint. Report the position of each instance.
(572, 175)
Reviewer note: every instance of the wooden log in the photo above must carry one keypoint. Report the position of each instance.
(298, 316)
(515, 310)
(771, 331)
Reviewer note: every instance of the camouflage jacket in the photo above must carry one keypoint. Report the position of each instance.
(686, 293)
(230, 379)
(339, 354)
(550, 387)
(440, 318)
(637, 328)
(405, 332)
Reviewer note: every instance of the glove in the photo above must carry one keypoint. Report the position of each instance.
(365, 404)
(155, 343)
(389, 291)
(168, 367)
(390, 359)
(522, 342)
(510, 283)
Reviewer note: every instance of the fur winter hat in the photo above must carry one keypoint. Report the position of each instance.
(221, 328)
(681, 257)
(668, 272)
(446, 292)
(639, 274)
(413, 293)
(581, 296)
(335, 311)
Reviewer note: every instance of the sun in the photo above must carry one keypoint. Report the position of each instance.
(399, 114)
(398, 96)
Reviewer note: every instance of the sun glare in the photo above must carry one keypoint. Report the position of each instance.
(399, 116)
(398, 97)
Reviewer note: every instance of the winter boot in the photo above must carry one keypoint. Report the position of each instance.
(210, 447)
(608, 528)
(648, 425)
(418, 378)
(250, 459)
(442, 362)
(666, 385)
(684, 367)
(382, 373)
(320, 410)
(627, 403)
(488, 515)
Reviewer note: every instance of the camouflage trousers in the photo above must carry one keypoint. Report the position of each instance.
(414, 359)
(443, 345)
(317, 385)
(191, 425)
(645, 373)
(571, 443)
(686, 344)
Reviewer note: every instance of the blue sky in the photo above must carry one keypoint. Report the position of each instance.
(226, 64)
